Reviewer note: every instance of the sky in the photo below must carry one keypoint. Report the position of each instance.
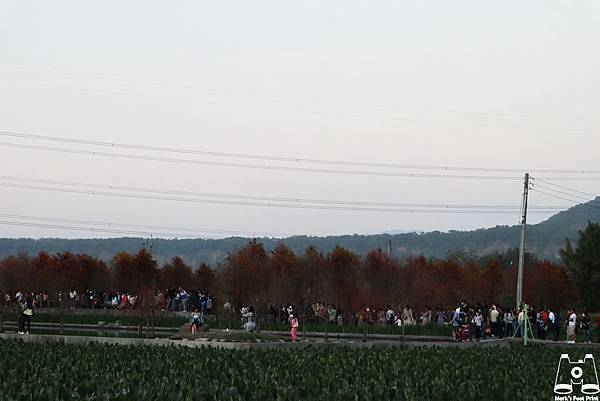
(477, 84)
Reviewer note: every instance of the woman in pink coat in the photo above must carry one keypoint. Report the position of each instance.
(294, 319)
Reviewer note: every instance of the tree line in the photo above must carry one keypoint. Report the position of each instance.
(251, 275)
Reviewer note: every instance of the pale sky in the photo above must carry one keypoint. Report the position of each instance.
(508, 84)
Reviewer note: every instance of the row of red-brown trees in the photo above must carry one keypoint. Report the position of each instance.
(252, 275)
(342, 278)
(129, 273)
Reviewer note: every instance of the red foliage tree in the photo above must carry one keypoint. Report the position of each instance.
(381, 275)
(244, 278)
(134, 273)
(204, 279)
(311, 281)
(176, 274)
(546, 284)
(341, 276)
(282, 275)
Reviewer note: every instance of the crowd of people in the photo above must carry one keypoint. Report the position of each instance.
(480, 322)
(181, 300)
(469, 322)
(172, 299)
(78, 299)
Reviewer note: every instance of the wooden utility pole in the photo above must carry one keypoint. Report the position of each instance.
(522, 243)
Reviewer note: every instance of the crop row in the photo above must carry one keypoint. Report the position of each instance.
(110, 372)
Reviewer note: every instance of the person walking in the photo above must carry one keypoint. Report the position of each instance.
(294, 321)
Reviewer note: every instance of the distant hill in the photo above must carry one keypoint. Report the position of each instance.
(544, 239)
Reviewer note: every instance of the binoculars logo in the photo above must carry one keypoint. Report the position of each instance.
(580, 373)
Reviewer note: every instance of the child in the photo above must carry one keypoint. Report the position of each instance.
(294, 319)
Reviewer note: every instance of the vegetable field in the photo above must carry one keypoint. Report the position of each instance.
(111, 372)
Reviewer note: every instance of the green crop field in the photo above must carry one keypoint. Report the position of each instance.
(110, 372)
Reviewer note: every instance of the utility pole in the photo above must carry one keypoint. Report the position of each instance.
(388, 281)
(522, 244)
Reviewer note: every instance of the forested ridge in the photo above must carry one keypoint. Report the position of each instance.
(544, 239)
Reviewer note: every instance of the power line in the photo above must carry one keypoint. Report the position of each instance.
(113, 145)
(98, 230)
(568, 189)
(449, 124)
(262, 204)
(242, 106)
(563, 198)
(187, 230)
(278, 96)
(581, 198)
(263, 198)
(258, 166)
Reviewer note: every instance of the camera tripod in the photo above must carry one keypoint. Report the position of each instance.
(527, 330)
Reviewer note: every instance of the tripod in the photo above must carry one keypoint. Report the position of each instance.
(527, 330)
